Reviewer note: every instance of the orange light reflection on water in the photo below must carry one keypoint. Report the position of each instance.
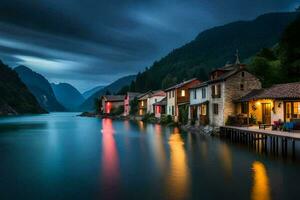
(178, 179)
(261, 186)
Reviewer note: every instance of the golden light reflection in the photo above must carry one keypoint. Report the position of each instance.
(141, 125)
(158, 148)
(261, 187)
(226, 158)
(110, 159)
(178, 180)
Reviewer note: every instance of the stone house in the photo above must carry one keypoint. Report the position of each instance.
(226, 85)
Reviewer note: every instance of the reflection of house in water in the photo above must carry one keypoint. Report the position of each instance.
(178, 179)
(261, 187)
(110, 157)
(226, 159)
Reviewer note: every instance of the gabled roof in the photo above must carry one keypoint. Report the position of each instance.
(180, 84)
(163, 102)
(199, 85)
(233, 70)
(278, 91)
(157, 93)
(114, 97)
(132, 95)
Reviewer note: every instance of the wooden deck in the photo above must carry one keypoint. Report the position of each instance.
(281, 134)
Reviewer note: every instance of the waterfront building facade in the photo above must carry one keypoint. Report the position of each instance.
(178, 98)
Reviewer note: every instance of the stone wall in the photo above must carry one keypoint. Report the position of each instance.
(233, 91)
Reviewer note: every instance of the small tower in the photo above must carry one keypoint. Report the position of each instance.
(237, 61)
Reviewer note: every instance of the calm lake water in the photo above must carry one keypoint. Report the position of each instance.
(61, 156)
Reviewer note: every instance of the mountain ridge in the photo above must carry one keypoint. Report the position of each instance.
(40, 88)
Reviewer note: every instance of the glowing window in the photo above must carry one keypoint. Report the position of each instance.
(183, 93)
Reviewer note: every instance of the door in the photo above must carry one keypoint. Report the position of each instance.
(266, 113)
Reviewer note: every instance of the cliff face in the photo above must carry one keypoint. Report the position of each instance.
(15, 97)
(40, 87)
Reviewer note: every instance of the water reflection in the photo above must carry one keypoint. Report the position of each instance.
(261, 187)
(178, 180)
(110, 158)
(158, 148)
(226, 159)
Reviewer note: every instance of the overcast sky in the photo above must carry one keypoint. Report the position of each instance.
(94, 42)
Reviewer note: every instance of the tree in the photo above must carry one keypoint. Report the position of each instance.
(290, 51)
(97, 105)
(134, 106)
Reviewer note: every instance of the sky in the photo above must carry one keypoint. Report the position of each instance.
(94, 42)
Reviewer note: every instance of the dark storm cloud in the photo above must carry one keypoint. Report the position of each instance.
(95, 42)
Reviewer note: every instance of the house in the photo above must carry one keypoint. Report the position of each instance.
(147, 100)
(142, 103)
(279, 102)
(160, 107)
(226, 85)
(178, 98)
(129, 97)
(199, 104)
(154, 97)
(110, 102)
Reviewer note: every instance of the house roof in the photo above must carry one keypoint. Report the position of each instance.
(132, 95)
(180, 84)
(199, 85)
(163, 102)
(114, 97)
(278, 91)
(229, 71)
(157, 93)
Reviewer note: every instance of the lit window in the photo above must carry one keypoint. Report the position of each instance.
(296, 108)
(142, 103)
(183, 93)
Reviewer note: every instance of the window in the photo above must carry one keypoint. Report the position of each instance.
(216, 108)
(244, 108)
(173, 93)
(169, 95)
(195, 94)
(216, 91)
(155, 100)
(203, 109)
(242, 87)
(172, 110)
(203, 93)
(142, 103)
(183, 93)
(296, 108)
(243, 74)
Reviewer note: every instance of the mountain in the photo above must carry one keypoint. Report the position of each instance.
(90, 92)
(40, 88)
(15, 97)
(67, 95)
(114, 87)
(212, 49)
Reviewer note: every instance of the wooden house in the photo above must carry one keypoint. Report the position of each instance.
(178, 98)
